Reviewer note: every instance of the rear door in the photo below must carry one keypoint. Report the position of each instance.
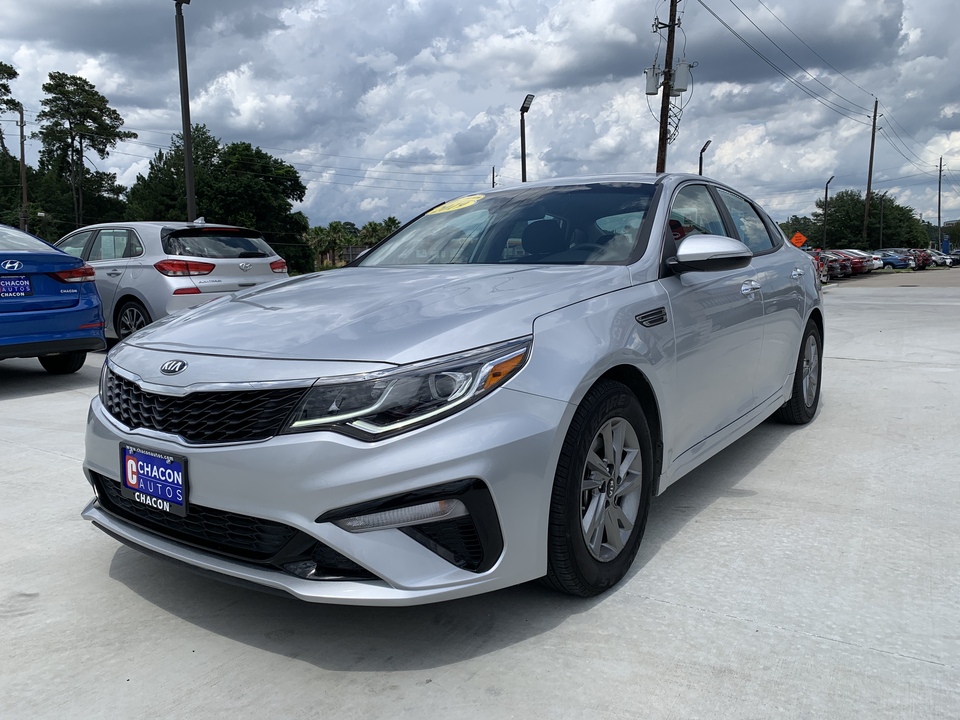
(780, 269)
(109, 255)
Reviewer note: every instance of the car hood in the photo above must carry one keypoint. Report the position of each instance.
(393, 315)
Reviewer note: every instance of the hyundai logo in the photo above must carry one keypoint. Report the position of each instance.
(245, 266)
(11, 265)
(173, 367)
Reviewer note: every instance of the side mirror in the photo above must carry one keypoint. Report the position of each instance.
(709, 253)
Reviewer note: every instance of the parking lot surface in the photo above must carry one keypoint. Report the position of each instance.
(805, 572)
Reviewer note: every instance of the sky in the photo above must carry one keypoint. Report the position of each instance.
(387, 107)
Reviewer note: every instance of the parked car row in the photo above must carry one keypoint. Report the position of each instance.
(102, 281)
(833, 264)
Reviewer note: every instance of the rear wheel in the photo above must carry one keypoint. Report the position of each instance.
(131, 316)
(802, 406)
(601, 493)
(63, 363)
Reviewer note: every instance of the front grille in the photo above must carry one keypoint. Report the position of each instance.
(239, 536)
(202, 417)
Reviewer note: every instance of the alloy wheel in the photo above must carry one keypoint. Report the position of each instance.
(811, 374)
(611, 489)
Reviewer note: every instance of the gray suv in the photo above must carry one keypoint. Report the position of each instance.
(148, 270)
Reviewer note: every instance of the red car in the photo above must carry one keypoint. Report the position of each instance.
(859, 264)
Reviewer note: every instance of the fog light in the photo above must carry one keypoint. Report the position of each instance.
(303, 568)
(403, 517)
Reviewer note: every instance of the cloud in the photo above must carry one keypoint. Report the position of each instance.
(390, 106)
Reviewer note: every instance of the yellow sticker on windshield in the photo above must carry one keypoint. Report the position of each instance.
(457, 204)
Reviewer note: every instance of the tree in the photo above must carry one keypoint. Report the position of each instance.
(7, 103)
(844, 220)
(236, 184)
(76, 117)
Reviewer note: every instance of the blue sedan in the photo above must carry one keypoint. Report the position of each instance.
(49, 306)
(895, 260)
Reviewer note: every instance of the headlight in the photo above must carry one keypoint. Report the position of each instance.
(386, 403)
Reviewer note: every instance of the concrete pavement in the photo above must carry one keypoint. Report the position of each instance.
(806, 572)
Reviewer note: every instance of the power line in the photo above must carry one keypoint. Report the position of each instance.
(825, 61)
(820, 99)
(787, 55)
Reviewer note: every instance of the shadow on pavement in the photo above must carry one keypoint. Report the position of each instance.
(24, 377)
(372, 639)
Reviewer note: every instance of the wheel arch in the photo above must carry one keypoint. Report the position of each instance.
(122, 300)
(640, 386)
(816, 317)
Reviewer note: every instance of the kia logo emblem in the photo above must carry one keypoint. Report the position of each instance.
(173, 367)
(245, 266)
(11, 265)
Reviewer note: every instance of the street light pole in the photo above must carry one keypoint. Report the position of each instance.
(702, 151)
(185, 114)
(523, 137)
(825, 191)
(883, 201)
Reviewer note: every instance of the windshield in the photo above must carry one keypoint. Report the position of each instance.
(597, 224)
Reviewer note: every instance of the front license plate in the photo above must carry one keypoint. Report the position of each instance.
(15, 286)
(154, 479)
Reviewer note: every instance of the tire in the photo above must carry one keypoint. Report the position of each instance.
(802, 406)
(63, 363)
(607, 448)
(131, 316)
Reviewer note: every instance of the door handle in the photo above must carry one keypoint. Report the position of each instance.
(749, 288)
(115, 273)
(796, 274)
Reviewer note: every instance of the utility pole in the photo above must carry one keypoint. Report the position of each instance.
(873, 142)
(493, 176)
(185, 114)
(24, 213)
(671, 28)
(939, 220)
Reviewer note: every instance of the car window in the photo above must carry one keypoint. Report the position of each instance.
(694, 213)
(74, 244)
(134, 246)
(751, 228)
(215, 244)
(109, 245)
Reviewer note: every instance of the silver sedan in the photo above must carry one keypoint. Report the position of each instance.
(491, 395)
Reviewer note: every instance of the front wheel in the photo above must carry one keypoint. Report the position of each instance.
(601, 493)
(802, 406)
(63, 363)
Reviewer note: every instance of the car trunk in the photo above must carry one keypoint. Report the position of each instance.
(31, 286)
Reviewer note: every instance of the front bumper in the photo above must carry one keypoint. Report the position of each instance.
(508, 442)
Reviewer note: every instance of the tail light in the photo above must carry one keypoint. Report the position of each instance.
(84, 273)
(279, 266)
(182, 268)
